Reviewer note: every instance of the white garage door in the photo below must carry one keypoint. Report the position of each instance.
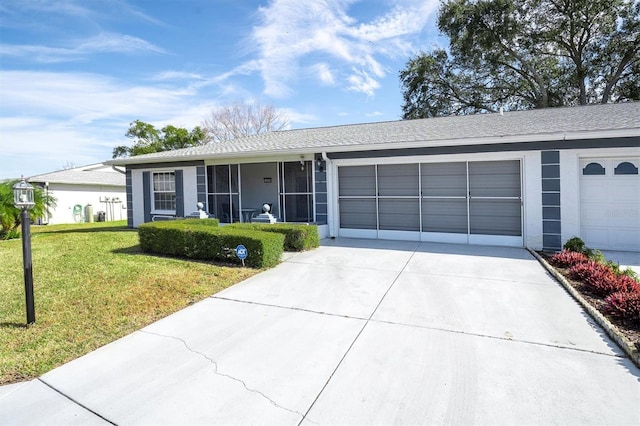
(464, 202)
(610, 203)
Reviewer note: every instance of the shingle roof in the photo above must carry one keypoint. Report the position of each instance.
(82, 177)
(572, 122)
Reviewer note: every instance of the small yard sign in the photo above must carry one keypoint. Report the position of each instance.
(241, 252)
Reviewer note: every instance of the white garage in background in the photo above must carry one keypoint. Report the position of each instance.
(610, 203)
(97, 185)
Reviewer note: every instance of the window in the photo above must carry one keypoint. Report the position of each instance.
(593, 169)
(164, 191)
(626, 168)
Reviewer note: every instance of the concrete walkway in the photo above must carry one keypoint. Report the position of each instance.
(355, 332)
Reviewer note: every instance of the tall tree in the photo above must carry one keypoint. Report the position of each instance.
(147, 139)
(241, 119)
(522, 54)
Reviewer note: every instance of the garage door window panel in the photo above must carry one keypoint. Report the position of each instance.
(495, 217)
(399, 214)
(444, 197)
(398, 180)
(357, 181)
(444, 215)
(626, 168)
(444, 179)
(593, 169)
(494, 179)
(358, 214)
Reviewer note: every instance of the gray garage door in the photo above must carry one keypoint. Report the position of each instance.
(455, 202)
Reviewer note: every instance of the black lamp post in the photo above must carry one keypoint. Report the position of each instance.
(23, 199)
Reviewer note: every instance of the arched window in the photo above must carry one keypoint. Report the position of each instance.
(593, 169)
(626, 168)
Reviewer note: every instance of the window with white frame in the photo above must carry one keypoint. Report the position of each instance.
(164, 191)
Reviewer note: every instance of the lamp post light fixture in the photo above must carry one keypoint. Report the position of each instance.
(23, 199)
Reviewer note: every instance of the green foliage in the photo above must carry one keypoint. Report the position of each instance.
(628, 272)
(297, 237)
(203, 241)
(10, 214)
(523, 54)
(596, 255)
(575, 244)
(147, 139)
(631, 274)
(10, 234)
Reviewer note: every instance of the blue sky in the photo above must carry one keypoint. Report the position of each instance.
(75, 73)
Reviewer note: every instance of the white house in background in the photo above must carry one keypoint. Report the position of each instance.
(93, 192)
(525, 178)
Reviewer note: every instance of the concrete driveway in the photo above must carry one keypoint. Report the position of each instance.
(356, 332)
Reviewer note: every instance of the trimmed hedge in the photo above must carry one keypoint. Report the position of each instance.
(298, 237)
(203, 239)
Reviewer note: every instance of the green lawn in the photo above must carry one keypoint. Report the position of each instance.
(92, 285)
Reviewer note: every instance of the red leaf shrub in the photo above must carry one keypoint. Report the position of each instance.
(600, 279)
(624, 305)
(566, 259)
(628, 284)
(582, 271)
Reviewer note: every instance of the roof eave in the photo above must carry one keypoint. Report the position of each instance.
(594, 134)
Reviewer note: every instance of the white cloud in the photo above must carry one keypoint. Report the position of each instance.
(177, 75)
(291, 31)
(52, 118)
(116, 43)
(102, 43)
(374, 114)
(324, 74)
(298, 119)
(361, 81)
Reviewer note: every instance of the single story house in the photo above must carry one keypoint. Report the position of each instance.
(83, 194)
(524, 178)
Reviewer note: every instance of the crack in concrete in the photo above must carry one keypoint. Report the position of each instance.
(507, 339)
(215, 370)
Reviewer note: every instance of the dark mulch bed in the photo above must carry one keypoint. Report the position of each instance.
(630, 331)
